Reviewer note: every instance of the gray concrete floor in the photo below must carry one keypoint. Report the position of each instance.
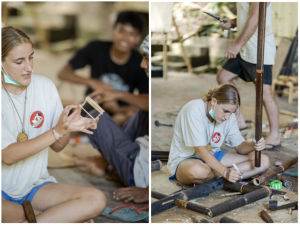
(168, 96)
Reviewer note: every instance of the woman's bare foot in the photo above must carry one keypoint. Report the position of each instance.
(94, 165)
(135, 194)
(89, 221)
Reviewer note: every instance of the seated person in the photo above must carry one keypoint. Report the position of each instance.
(114, 66)
(33, 120)
(125, 149)
(201, 127)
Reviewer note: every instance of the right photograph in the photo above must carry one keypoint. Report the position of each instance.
(224, 112)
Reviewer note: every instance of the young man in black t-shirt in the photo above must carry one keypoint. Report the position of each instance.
(114, 66)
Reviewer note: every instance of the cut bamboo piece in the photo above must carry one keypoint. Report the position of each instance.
(94, 105)
(280, 169)
(156, 165)
(266, 217)
(227, 220)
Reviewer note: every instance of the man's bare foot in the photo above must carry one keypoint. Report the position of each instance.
(273, 141)
(94, 165)
(135, 194)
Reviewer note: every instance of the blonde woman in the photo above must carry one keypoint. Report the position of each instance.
(25, 141)
(200, 129)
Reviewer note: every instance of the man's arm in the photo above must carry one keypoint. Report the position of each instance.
(140, 101)
(67, 73)
(248, 31)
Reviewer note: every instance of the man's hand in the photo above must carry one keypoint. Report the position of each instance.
(260, 145)
(135, 194)
(101, 96)
(232, 51)
(95, 84)
(227, 24)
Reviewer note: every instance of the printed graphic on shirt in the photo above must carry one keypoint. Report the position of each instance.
(116, 82)
(37, 119)
(216, 137)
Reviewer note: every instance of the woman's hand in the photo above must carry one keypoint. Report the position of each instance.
(233, 175)
(74, 122)
(260, 145)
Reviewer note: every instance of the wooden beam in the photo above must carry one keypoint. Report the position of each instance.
(259, 76)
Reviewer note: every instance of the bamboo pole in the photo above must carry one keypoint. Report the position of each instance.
(239, 202)
(259, 77)
(191, 206)
(186, 58)
(165, 57)
(198, 191)
(156, 165)
(272, 173)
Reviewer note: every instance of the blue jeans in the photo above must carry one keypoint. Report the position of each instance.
(219, 155)
(29, 196)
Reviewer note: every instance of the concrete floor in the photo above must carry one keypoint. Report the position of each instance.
(167, 99)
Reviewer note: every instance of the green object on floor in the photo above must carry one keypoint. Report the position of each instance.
(126, 214)
(276, 184)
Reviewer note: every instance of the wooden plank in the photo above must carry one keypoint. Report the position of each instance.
(281, 53)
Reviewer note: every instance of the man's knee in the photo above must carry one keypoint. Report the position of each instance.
(225, 77)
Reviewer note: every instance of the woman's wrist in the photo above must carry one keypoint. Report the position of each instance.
(58, 132)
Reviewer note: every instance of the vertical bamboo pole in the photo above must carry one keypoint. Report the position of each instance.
(259, 76)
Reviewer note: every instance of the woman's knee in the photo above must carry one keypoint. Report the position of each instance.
(95, 202)
(197, 172)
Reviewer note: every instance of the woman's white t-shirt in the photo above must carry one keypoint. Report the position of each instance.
(192, 129)
(43, 109)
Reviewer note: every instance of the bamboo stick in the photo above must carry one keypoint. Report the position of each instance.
(227, 220)
(259, 77)
(266, 217)
(280, 169)
(192, 193)
(156, 165)
(239, 202)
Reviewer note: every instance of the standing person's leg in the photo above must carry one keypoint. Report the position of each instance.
(116, 147)
(272, 110)
(66, 203)
(226, 77)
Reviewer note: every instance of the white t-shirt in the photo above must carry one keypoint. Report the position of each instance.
(141, 163)
(43, 109)
(192, 129)
(249, 50)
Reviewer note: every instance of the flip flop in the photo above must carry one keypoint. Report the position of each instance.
(245, 128)
(273, 146)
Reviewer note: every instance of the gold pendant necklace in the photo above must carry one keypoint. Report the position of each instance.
(22, 136)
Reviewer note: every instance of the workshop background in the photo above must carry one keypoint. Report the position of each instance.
(188, 49)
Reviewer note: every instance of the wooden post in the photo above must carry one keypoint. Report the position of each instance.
(165, 58)
(259, 76)
(186, 58)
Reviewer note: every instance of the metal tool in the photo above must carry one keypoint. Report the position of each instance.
(157, 123)
(216, 17)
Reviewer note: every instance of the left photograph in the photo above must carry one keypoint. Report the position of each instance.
(75, 112)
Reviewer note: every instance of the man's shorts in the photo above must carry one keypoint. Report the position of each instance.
(29, 196)
(247, 71)
(219, 155)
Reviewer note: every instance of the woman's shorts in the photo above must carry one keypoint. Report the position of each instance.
(29, 196)
(219, 155)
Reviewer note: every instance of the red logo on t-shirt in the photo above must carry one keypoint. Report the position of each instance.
(37, 119)
(216, 137)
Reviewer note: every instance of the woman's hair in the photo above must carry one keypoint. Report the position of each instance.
(12, 37)
(225, 94)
